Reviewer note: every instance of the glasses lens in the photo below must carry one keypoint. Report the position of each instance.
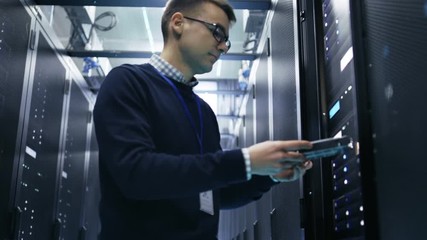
(220, 36)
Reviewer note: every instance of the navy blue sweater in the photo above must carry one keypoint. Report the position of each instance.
(151, 169)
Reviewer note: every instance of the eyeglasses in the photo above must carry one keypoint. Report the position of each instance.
(217, 30)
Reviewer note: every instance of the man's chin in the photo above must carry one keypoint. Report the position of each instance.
(205, 69)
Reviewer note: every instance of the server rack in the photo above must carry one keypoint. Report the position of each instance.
(284, 99)
(341, 119)
(272, 113)
(335, 206)
(40, 156)
(15, 25)
(369, 63)
(260, 132)
(45, 132)
(74, 166)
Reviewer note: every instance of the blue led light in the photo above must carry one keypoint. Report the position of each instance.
(334, 110)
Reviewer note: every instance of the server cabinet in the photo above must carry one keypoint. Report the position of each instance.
(370, 58)
(284, 69)
(342, 207)
(394, 60)
(73, 171)
(262, 114)
(15, 26)
(272, 114)
(45, 132)
(235, 221)
(37, 189)
(314, 222)
(284, 98)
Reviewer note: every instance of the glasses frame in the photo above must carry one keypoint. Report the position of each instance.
(217, 30)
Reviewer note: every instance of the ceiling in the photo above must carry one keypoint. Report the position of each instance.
(237, 4)
(137, 33)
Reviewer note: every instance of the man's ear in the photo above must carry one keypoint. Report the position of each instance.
(177, 23)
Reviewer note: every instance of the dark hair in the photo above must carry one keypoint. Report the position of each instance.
(174, 6)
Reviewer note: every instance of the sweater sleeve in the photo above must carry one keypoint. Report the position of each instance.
(240, 194)
(129, 158)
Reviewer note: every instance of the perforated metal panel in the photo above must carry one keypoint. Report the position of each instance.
(14, 35)
(263, 205)
(71, 190)
(261, 98)
(285, 220)
(38, 178)
(396, 36)
(285, 118)
(249, 122)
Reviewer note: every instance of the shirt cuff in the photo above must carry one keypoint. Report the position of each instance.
(274, 179)
(247, 158)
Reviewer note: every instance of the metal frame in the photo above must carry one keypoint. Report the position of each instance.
(247, 4)
(143, 54)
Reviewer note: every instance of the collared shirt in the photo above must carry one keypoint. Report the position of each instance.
(170, 71)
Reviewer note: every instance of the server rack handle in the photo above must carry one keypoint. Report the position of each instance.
(57, 229)
(16, 223)
(82, 235)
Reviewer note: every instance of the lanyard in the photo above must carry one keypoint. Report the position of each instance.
(199, 135)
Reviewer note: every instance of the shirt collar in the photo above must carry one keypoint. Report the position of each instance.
(170, 71)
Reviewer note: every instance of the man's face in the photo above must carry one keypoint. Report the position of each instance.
(200, 49)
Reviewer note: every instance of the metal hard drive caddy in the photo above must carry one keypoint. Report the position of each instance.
(327, 147)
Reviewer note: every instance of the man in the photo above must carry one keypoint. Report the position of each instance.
(163, 174)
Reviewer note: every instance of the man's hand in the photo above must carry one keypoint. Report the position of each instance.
(293, 173)
(274, 157)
